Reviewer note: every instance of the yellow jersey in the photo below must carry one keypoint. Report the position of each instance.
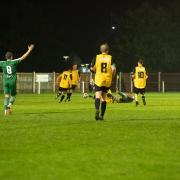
(65, 80)
(75, 77)
(103, 75)
(140, 77)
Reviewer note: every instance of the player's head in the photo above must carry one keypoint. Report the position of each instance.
(9, 55)
(140, 62)
(104, 48)
(75, 67)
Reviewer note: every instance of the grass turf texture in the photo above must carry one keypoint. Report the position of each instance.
(47, 140)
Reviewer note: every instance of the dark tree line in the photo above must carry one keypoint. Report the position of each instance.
(148, 32)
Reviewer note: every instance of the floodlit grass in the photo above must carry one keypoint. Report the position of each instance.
(50, 141)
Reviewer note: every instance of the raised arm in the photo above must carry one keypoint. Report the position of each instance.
(30, 48)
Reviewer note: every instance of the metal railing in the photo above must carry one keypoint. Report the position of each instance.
(157, 82)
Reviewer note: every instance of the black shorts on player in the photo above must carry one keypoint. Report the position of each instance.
(141, 91)
(102, 89)
(73, 86)
(63, 89)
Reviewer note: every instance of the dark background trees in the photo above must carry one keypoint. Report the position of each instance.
(148, 29)
(149, 32)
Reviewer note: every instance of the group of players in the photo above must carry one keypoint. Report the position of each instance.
(102, 66)
(105, 70)
(67, 82)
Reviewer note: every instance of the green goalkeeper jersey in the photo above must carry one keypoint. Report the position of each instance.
(9, 69)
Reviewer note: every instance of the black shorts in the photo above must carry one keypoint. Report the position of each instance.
(63, 89)
(102, 89)
(141, 91)
(73, 86)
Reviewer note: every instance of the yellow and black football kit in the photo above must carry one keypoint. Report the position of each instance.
(103, 72)
(75, 78)
(65, 82)
(140, 78)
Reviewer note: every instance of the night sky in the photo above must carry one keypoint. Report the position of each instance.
(57, 29)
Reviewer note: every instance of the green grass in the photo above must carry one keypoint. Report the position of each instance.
(50, 141)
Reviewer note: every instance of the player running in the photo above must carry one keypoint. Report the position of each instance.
(75, 76)
(75, 79)
(139, 78)
(65, 83)
(104, 71)
(9, 68)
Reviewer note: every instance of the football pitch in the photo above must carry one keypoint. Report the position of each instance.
(50, 141)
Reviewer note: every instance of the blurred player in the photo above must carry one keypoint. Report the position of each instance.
(58, 80)
(75, 76)
(65, 83)
(104, 71)
(9, 68)
(126, 97)
(75, 80)
(139, 78)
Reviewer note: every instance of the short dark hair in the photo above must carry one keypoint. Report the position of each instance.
(8, 55)
(141, 61)
(106, 47)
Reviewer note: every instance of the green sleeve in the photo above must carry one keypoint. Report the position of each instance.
(16, 61)
(1, 63)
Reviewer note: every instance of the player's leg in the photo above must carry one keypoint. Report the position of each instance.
(6, 103)
(62, 97)
(136, 99)
(58, 93)
(103, 106)
(136, 92)
(143, 96)
(6, 97)
(69, 94)
(98, 95)
(64, 92)
(13, 93)
(71, 91)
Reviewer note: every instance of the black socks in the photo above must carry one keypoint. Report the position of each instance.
(62, 98)
(103, 108)
(97, 104)
(144, 100)
(69, 96)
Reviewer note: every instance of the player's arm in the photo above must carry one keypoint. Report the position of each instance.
(133, 74)
(24, 56)
(93, 68)
(79, 76)
(58, 80)
(113, 67)
(70, 81)
(1, 62)
(113, 70)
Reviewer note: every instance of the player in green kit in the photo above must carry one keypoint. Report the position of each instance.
(9, 68)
